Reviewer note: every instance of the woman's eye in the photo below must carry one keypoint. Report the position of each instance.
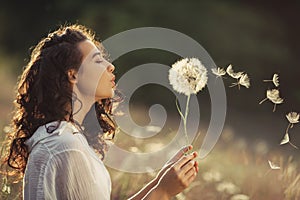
(98, 61)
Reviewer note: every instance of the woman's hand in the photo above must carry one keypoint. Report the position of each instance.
(179, 172)
(173, 178)
(174, 159)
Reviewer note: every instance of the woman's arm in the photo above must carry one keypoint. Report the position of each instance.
(175, 176)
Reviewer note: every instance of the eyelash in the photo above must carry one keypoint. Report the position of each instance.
(99, 61)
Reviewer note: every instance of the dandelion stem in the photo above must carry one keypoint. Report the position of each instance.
(293, 145)
(287, 129)
(263, 100)
(185, 119)
(274, 109)
(267, 80)
(177, 106)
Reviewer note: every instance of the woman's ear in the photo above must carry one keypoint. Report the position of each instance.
(72, 76)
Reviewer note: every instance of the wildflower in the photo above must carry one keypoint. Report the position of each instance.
(6, 189)
(275, 80)
(272, 165)
(273, 96)
(227, 187)
(218, 71)
(233, 74)
(212, 176)
(240, 197)
(188, 76)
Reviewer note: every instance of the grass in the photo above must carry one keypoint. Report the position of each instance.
(231, 171)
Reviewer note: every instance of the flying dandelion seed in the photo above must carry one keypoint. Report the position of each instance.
(275, 80)
(244, 81)
(285, 139)
(242, 78)
(233, 74)
(293, 118)
(273, 96)
(219, 72)
(273, 166)
(187, 76)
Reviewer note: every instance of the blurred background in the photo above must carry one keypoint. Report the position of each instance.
(259, 38)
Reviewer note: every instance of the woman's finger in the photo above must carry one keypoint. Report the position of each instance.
(190, 173)
(184, 150)
(184, 159)
(187, 167)
(180, 153)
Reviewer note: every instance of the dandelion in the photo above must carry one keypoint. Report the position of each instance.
(273, 96)
(275, 80)
(212, 176)
(219, 72)
(227, 187)
(233, 74)
(273, 166)
(187, 76)
(6, 189)
(240, 197)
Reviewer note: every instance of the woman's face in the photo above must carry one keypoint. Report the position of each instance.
(95, 76)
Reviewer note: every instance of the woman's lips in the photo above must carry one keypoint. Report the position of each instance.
(113, 81)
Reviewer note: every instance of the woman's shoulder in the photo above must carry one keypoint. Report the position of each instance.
(63, 138)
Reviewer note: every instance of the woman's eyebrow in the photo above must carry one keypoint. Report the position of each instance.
(96, 54)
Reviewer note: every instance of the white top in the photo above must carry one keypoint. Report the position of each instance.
(61, 165)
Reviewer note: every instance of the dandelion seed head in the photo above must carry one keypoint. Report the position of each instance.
(261, 147)
(6, 189)
(212, 176)
(218, 71)
(6, 129)
(227, 187)
(293, 117)
(240, 197)
(233, 74)
(188, 76)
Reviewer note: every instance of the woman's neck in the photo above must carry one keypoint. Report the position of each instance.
(81, 106)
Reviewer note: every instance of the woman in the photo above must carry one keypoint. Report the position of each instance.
(54, 127)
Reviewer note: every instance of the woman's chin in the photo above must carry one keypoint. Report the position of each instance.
(111, 95)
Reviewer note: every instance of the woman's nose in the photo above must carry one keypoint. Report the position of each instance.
(111, 68)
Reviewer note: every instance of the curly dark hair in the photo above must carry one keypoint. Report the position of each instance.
(44, 93)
